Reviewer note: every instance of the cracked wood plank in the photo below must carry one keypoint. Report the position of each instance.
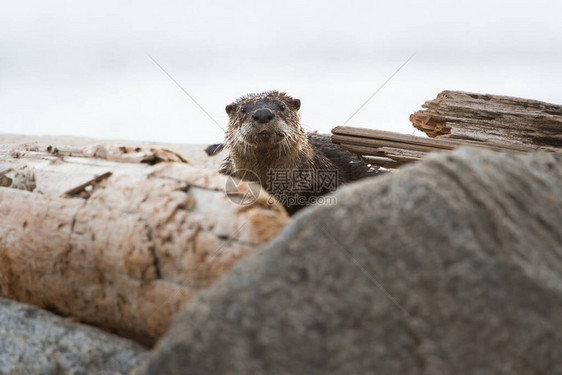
(392, 150)
(128, 257)
(458, 115)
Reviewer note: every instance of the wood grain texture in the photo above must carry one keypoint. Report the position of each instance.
(456, 119)
(146, 240)
(392, 150)
(486, 118)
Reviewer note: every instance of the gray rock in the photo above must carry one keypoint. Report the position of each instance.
(452, 265)
(34, 341)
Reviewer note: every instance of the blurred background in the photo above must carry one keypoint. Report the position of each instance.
(82, 68)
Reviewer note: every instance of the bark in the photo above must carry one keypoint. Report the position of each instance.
(141, 242)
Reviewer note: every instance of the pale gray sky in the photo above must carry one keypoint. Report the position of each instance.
(80, 68)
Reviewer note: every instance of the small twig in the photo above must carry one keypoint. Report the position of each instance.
(80, 188)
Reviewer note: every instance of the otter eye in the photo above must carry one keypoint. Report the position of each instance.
(243, 110)
(282, 107)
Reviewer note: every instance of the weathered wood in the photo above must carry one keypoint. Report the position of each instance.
(385, 157)
(55, 170)
(491, 118)
(81, 189)
(392, 150)
(457, 119)
(394, 138)
(127, 258)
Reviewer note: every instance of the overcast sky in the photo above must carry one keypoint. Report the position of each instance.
(81, 68)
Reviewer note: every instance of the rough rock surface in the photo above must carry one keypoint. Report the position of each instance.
(452, 265)
(33, 341)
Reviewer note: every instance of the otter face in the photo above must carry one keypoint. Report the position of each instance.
(264, 120)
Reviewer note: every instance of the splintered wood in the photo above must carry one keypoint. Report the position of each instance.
(489, 118)
(457, 119)
(133, 250)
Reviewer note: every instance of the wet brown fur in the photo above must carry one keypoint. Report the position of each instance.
(289, 147)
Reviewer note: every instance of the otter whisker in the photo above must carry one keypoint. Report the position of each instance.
(264, 133)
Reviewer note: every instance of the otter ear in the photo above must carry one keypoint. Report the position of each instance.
(296, 104)
(230, 108)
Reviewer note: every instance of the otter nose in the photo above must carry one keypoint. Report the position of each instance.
(263, 115)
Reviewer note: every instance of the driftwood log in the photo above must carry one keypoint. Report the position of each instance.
(491, 118)
(124, 251)
(455, 119)
(392, 150)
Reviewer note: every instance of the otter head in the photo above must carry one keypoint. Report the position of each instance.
(269, 120)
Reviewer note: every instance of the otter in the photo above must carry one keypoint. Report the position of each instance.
(265, 137)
